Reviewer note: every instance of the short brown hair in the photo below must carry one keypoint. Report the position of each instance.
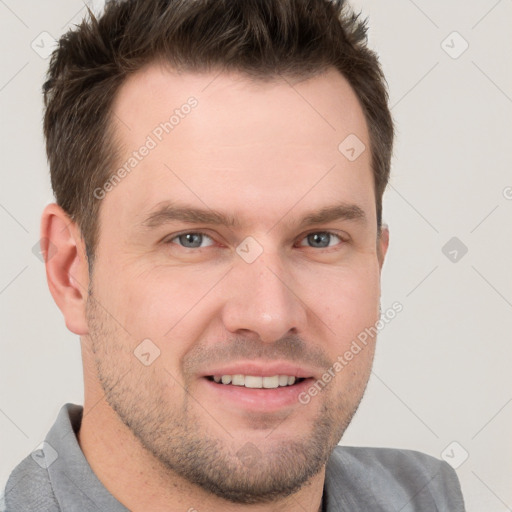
(263, 39)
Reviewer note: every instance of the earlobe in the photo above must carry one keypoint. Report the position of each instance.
(382, 244)
(66, 266)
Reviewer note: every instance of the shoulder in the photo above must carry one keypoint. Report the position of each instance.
(29, 488)
(385, 460)
(395, 478)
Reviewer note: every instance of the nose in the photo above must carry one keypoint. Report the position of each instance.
(263, 299)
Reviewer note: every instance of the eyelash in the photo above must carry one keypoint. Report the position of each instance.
(331, 233)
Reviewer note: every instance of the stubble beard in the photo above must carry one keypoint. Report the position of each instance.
(177, 436)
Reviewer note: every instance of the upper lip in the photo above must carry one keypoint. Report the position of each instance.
(261, 369)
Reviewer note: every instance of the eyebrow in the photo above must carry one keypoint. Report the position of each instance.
(168, 212)
(341, 211)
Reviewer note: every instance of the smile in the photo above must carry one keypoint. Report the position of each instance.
(256, 382)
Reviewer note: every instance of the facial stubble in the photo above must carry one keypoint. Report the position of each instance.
(175, 431)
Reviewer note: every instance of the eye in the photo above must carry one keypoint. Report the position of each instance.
(191, 240)
(321, 239)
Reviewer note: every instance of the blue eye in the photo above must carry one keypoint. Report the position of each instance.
(191, 240)
(316, 240)
(321, 239)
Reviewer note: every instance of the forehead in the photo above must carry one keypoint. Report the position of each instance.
(223, 140)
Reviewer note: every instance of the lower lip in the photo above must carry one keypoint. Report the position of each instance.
(263, 400)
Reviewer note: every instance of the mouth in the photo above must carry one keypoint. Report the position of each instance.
(260, 386)
(238, 393)
(256, 381)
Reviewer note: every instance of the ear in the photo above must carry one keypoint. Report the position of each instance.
(67, 271)
(382, 244)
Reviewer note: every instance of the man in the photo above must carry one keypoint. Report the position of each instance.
(217, 244)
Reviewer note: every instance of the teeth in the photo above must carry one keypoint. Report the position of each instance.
(283, 380)
(255, 382)
(252, 382)
(271, 382)
(238, 380)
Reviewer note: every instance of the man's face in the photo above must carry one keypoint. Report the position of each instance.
(272, 294)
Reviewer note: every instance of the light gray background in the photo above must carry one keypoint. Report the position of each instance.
(442, 369)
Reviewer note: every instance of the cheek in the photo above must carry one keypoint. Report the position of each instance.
(345, 298)
(166, 305)
(173, 306)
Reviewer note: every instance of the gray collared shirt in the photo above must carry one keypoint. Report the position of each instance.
(57, 478)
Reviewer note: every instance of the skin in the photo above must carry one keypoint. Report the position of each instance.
(267, 154)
